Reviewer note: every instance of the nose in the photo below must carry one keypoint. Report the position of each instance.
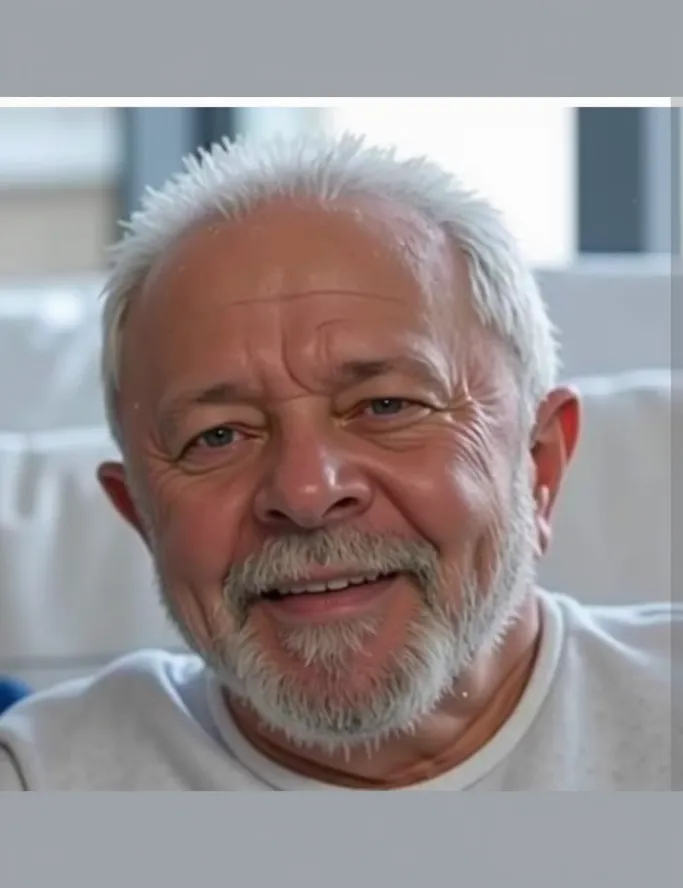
(310, 485)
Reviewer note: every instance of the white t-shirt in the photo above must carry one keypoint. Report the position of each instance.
(596, 715)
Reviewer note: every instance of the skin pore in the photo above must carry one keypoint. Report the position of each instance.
(307, 388)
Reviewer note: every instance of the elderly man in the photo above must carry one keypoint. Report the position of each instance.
(333, 385)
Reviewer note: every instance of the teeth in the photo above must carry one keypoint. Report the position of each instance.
(313, 587)
(331, 586)
(338, 584)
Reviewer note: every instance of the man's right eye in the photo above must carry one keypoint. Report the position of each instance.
(220, 436)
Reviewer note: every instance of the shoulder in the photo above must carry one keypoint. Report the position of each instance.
(53, 724)
(606, 721)
(143, 674)
(624, 652)
(646, 634)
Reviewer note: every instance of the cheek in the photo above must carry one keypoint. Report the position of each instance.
(450, 497)
(197, 528)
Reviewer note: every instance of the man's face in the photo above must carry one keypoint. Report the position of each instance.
(327, 462)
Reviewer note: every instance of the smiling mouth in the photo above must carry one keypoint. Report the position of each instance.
(341, 584)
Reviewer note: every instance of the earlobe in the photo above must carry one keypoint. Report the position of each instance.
(112, 478)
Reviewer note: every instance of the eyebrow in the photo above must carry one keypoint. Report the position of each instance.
(217, 394)
(359, 371)
(354, 372)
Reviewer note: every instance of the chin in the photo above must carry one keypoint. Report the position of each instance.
(339, 686)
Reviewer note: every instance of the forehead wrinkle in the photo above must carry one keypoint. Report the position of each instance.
(294, 296)
(350, 372)
(421, 363)
(412, 242)
(440, 367)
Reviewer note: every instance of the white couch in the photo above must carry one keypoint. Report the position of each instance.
(75, 583)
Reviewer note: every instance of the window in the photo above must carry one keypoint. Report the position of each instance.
(519, 155)
(588, 192)
(58, 146)
(594, 194)
(573, 182)
(59, 171)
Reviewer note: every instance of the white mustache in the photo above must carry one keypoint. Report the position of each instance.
(286, 561)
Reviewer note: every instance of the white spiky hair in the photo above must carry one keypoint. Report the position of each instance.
(233, 178)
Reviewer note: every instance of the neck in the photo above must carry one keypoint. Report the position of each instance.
(467, 719)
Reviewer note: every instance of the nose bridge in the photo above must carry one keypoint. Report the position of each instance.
(311, 477)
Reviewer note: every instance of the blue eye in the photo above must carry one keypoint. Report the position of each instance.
(221, 436)
(386, 406)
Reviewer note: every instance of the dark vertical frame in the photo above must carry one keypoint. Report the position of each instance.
(610, 180)
(216, 124)
(628, 170)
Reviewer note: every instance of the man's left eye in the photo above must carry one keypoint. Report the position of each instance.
(386, 406)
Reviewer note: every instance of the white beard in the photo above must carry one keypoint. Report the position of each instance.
(441, 645)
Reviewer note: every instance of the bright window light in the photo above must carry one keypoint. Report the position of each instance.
(59, 146)
(519, 154)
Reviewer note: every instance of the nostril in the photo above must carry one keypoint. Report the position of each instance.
(342, 505)
(277, 516)
(311, 517)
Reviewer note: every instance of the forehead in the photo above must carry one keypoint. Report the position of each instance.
(283, 248)
(296, 270)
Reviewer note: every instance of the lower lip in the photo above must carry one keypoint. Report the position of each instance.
(331, 605)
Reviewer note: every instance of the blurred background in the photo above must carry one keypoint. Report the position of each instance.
(574, 182)
(593, 193)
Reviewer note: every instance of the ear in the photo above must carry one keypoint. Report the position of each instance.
(112, 478)
(552, 446)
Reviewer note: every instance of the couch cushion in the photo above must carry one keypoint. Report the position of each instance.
(49, 350)
(612, 527)
(74, 579)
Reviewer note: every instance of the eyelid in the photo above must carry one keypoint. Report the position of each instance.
(409, 401)
(195, 440)
(409, 406)
(392, 398)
